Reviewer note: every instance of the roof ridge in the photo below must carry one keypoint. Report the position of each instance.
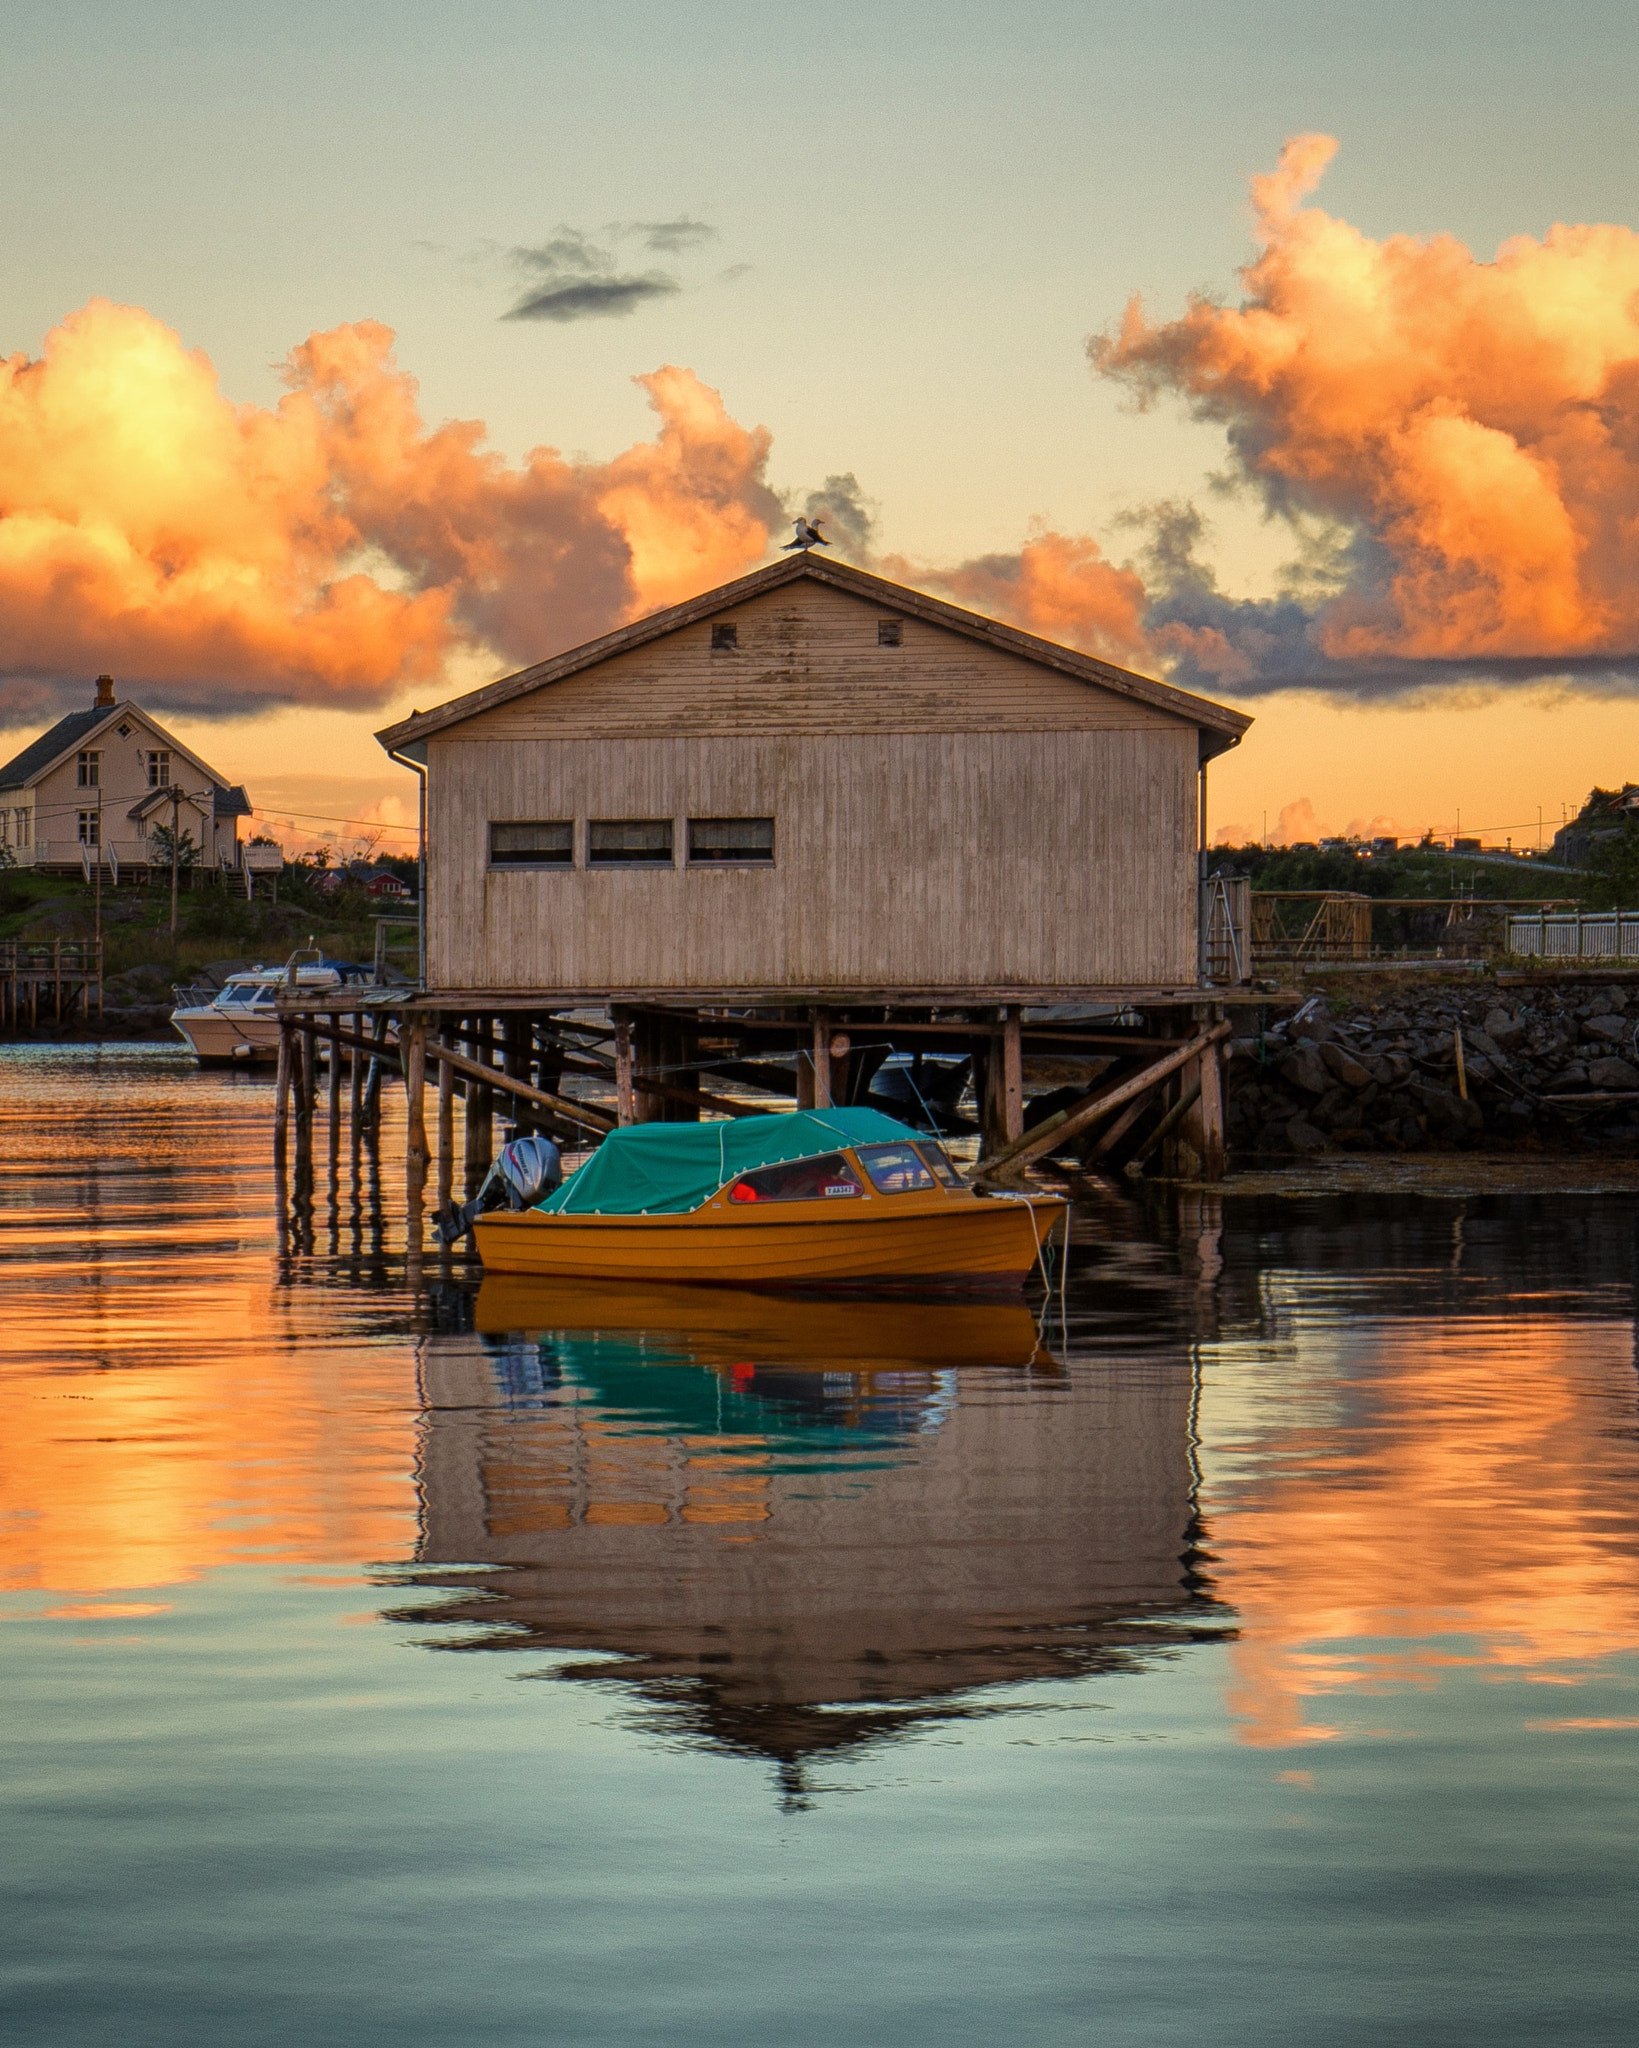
(1200, 711)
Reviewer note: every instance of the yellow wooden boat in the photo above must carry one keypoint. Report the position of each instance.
(822, 1198)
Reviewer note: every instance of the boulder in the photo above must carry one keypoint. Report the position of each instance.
(1345, 1066)
(1301, 1136)
(1612, 1073)
(1503, 1029)
(1304, 1068)
(1606, 1029)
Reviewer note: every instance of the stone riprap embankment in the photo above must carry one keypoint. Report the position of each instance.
(1543, 1066)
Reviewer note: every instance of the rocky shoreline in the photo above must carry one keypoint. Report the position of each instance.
(1539, 1066)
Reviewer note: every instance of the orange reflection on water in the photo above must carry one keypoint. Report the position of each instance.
(160, 1424)
(1470, 1500)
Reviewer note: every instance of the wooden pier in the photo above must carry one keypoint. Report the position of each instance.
(52, 981)
(1149, 1090)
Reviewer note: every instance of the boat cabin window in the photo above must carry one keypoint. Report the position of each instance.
(937, 1157)
(628, 842)
(544, 843)
(895, 1169)
(798, 1180)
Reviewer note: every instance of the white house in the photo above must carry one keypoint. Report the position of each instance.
(102, 784)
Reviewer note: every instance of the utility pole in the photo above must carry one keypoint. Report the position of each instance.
(176, 853)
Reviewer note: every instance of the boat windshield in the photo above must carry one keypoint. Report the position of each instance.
(237, 995)
(895, 1169)
(939, 1160)
(798, 1180)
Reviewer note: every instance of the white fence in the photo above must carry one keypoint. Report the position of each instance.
(1576, 935)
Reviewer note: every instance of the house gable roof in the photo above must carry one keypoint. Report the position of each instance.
(69, 734)
(45, 752)
(1219, 727)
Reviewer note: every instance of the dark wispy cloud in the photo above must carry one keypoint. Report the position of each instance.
(667, 237)
(575, 276)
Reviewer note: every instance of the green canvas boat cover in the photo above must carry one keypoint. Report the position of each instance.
(669, 1169)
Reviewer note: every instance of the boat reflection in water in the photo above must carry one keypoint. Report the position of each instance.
(804, 1525)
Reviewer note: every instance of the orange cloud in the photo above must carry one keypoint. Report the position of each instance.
(329, 548)
(1469, 429)
(1058, 585)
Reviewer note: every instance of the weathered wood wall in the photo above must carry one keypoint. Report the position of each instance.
(948, 816)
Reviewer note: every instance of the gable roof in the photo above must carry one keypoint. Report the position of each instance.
(50, 747)
(70, 733)
(1220, 728)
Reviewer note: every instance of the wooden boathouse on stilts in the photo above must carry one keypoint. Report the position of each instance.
(809, 837)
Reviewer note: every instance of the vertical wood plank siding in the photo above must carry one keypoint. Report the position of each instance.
(937, 859)
(948, 814)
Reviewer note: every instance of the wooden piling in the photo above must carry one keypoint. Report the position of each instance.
(335, 1089)
(1212, 1112)
(446, 1126)
(355, 1088)
(413, 1047)
(822, 1059)
(625, 1094)
(1012, 1102)
(281, 1096)
(475, 1124)
(304, 1109)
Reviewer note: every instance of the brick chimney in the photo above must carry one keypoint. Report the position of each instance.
(105, 693)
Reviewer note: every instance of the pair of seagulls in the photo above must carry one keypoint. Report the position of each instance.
(808, 536)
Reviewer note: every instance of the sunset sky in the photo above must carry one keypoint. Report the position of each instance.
(1290, 351)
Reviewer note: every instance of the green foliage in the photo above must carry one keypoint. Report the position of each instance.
(1412, 871)
(1612, 882)
(187, 854)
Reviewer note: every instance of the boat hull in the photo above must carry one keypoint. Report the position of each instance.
(904, 1241)
(214, 1035)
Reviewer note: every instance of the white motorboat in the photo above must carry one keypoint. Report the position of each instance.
(239, 1021)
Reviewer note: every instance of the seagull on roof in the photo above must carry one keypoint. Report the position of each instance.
(808, 536)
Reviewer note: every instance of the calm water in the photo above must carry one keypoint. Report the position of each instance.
(1249, 1656)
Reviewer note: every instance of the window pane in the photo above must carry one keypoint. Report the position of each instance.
(894, 1169)
(939, 1160)
(621, 841)
(539, 844)
(801, 1180)
(731, 839)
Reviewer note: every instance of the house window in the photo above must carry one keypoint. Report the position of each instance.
(725, 636)
(629, 842)
(124, 731)
(159, 768)
(24, 827)
(90, 828)
(545, 843)
(746, 840)
(890, 632)
(88, 770)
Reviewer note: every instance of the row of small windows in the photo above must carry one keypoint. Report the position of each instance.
(631, 842)
(88, 768)
(889, 633)
(15, 827)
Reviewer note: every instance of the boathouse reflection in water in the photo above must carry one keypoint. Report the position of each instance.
(803, 1525)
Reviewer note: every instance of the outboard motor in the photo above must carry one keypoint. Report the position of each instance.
(523, 1172)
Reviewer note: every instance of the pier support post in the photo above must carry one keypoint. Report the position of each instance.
(476, 1134)
(281, 1096)
(413, 1044)
(822, 1059)
(355, 1083)
(1012, 1103)
(304, 1110)
(446, 1123)
(1211, 1108)
(335, 1089)
(625, 1097)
